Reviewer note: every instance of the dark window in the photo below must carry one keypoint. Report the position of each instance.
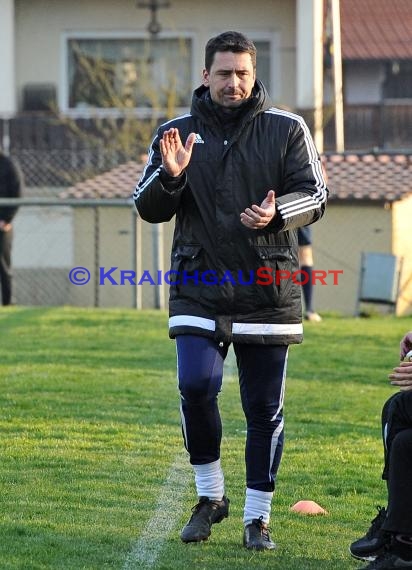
(129, 73)
(398, 80)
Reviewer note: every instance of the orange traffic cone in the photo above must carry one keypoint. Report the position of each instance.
(308, 508)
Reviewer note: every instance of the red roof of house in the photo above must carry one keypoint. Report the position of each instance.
(116, 183)
(376, 29)
(384, 177)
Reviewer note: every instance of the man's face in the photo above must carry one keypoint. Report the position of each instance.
(230, 79)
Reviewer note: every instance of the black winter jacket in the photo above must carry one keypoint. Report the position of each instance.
(229, 282)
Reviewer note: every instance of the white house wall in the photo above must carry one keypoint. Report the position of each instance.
(42, 25)
(7, 81)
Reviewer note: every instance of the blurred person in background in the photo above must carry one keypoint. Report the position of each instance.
(306, 265)
(11, 186)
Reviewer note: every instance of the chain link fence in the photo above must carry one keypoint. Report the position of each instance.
(99, 253)
(92, 253)
(53, 236)
(64, 167)
(60, 152)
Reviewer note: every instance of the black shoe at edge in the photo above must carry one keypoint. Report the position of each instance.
(388, 560)
(373, 543)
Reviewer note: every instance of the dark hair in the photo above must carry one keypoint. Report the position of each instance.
(229, 41)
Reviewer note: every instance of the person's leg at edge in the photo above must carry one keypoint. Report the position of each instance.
(307, 287)
(5, 266)
(262, 373)
(306, 266)
(380, 540)
(397, 433)
(389, 429)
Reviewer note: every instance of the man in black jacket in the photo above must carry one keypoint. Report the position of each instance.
(10, 187)
(247, 176)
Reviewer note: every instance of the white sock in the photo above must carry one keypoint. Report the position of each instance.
(209, 480)
(257, 504)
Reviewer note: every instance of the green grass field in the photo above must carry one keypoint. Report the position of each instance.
(92, 470)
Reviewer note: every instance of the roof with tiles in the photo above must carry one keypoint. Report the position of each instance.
(116, 183)
(383, 177)
(376, 29)
(376, 177)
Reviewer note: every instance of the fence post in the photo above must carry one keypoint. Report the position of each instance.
(158, 262)
(382, 125)
(96, 255)
(137, 257)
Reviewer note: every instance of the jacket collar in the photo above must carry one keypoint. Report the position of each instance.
(203, 107)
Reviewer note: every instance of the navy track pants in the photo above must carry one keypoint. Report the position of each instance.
(262, 372)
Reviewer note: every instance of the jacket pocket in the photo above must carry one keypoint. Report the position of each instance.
(186, 267)
(276, 270)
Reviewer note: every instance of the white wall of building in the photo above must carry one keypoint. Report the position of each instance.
(42, 25)
(7, 42)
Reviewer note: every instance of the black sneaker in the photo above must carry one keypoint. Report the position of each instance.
(205, 513)
(389, 560)
(373, 543)
(256, 536)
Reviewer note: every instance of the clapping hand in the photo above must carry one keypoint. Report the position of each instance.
(258, 217)
(175, 156)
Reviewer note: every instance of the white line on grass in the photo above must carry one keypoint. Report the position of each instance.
(169, 507)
